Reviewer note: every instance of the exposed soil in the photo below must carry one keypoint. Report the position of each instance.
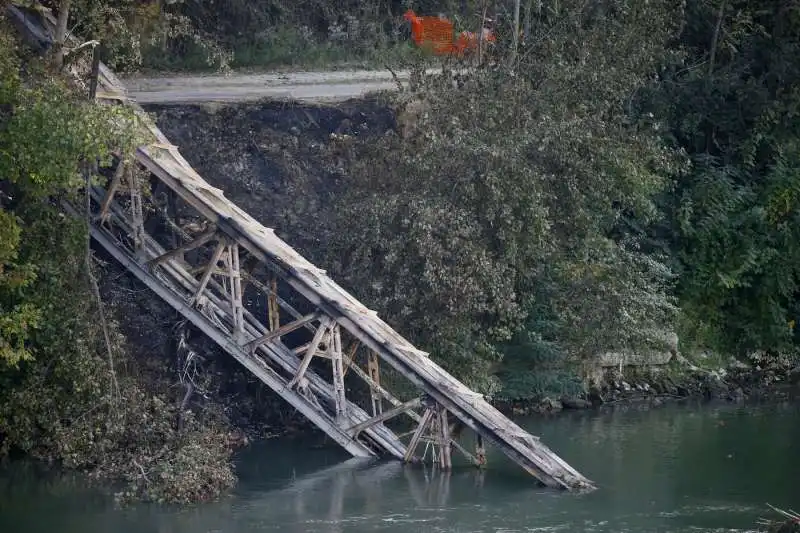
(281, 163)
(151, 330)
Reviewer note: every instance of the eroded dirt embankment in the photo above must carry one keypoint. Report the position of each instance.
(284, 165)
(277, 161)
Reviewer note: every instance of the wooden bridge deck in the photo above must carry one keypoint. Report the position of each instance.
(279, 315)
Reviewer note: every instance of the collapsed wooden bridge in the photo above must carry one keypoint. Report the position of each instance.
(276, 313)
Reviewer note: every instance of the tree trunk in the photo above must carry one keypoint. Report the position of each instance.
(61, 33)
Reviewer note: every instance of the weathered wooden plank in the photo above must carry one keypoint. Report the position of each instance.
(283, 330)
(335, 350)
(201, 240)
(374, 372)
(383, 417)
(445, 462)
(236, 291)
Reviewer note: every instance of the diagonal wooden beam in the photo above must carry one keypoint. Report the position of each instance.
(283, 330)
(427, 417)
(202, 239)
(383, 417)
(388, 396)
(210, 268)
(312, 349)
(116, 181)
(351, 355)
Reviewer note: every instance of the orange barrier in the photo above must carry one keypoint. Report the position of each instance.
(436, 34)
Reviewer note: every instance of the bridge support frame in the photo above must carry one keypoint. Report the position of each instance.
(284, 363)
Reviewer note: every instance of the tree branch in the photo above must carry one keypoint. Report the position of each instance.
(715, 38)
(61, 33)
(96, 288)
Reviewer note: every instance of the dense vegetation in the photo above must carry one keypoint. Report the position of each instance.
(633, 171)
(640, 160)
(71, 388)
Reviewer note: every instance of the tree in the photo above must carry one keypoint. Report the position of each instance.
(733, 226)
(518, 193)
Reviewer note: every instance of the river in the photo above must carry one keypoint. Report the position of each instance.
(671, 469)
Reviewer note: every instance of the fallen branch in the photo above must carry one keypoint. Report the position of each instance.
(396, 78)
(115, 392)
(141, 469)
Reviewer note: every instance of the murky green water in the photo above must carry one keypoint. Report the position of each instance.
(675, 469)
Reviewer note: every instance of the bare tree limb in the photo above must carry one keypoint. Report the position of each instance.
(715, 38)
(115, 392)
(61, 33)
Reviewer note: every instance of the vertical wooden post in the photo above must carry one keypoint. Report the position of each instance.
(237, 308)
(137, 216)
(374, 372)
(480, 451)
(340, 398)
(273, 311)
(96, 52)
(445, 460)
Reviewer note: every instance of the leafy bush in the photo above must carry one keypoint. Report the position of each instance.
(61, 400)
(510, 195)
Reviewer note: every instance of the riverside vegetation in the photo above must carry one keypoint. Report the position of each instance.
(633, 171)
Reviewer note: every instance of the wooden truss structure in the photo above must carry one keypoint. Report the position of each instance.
(283, 318)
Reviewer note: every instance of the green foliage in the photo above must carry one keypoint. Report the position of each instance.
(45, 133)
(126, 28)
(734, 225)
(56, 398)
(511, 196)
(276, 33)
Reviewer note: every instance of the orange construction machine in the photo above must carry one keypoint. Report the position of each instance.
(436, 34)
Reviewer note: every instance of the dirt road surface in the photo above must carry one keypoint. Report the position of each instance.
(303, 86)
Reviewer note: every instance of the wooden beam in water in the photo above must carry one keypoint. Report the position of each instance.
(386, 415)
(422, 427)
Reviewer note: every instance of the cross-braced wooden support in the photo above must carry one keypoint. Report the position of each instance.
(434, 430)
(234, 279)
(374, 372)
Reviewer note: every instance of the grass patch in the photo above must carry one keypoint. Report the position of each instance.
(284, 47)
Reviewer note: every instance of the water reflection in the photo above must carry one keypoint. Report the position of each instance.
(675, 469)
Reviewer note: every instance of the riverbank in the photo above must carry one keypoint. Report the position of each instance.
(680, 381)
(676, 469)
